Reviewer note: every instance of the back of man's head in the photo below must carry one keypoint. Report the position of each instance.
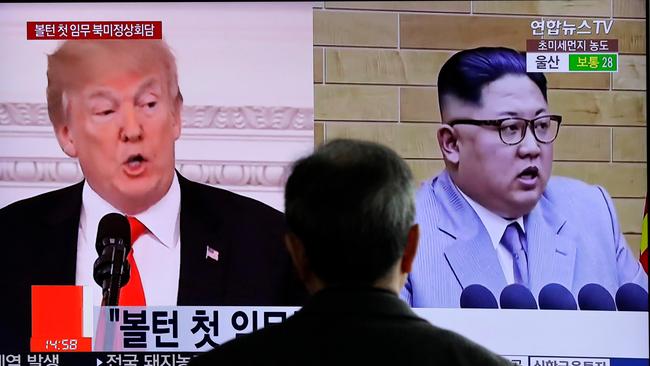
(465, 74)
(351, 205)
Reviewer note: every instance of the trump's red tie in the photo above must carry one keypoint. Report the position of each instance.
(133, 294)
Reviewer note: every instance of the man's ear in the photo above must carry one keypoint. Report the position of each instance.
(65, 139)
(297, 253)
(177, 124)
(177, 121)
(411, 249)
(448, 142)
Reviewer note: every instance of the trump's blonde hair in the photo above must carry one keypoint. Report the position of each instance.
(77, 62)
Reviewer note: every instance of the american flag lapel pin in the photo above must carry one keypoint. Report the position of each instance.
(211, 253)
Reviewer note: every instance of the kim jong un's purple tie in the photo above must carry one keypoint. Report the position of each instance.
(512, 240)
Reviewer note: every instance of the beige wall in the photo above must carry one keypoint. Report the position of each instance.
(376, 66)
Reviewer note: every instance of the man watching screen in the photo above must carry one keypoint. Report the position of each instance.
(495, 216)
(115, 105)
(350, 211)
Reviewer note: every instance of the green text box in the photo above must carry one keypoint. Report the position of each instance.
(593, 62)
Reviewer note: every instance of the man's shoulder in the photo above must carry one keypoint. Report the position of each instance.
(213, 198)
(424, 192)
(460, 350)
(248, 349)
(568, 184)
(289, 344)
(579, 202)
(37, 205)
(564, 189)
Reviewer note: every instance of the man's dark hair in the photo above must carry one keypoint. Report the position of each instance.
(466, 73)
(351, 205)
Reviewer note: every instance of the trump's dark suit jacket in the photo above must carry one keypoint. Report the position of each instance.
(38, 239)
(351, 326)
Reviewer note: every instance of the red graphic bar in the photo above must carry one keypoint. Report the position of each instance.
(94, 30)
(57, 320)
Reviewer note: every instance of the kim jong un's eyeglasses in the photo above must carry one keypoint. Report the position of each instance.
(512, 130)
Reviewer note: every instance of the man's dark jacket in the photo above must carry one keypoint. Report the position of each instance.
(351, 326)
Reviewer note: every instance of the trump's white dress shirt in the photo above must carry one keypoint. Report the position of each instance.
(157, 252)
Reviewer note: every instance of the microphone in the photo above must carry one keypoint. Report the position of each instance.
(556, 297)
(631, 297)
(477, 297)
(516, 296)
(595, 297)
(111, 269)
